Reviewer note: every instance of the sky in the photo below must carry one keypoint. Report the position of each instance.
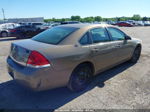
(67, 8)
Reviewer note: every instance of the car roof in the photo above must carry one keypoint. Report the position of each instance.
(85, 25)
(82, 29)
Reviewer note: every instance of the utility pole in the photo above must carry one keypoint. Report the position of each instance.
(3, 14)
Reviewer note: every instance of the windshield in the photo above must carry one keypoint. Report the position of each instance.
(54, 35)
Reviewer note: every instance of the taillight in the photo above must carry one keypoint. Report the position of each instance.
(12, 30)
(36, 59)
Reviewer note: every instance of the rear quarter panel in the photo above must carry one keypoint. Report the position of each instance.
(67, 56)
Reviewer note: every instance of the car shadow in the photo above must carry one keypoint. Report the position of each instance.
(7, 38)
(15, 96)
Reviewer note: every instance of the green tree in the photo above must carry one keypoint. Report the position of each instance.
(47, 20)
(63, 19)
(145, 19)
(123, 19)
(136, 17)
(98, 18)
(53, 19)
(75, 18)
(89, 19)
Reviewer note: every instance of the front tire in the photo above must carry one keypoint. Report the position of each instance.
(80, 78)
(136, 55)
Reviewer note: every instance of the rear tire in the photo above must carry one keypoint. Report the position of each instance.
(80, 78)
(136, 55)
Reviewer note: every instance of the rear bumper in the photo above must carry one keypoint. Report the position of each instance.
(37, 78)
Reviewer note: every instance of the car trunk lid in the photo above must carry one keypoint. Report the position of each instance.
(21, 50)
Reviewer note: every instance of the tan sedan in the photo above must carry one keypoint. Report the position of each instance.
(69, 55)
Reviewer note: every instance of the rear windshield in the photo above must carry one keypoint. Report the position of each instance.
(54, 35)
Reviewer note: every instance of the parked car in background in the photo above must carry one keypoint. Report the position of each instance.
(26, 31)
(55, 24)
(131, 21)
(147, 23)
(44, 26)
(70, 22)
(31, 23)
(4, 28)
(139, 23)
(70, 55)
(111, 22)
(126, 24)
(35, 24)
(38, 25)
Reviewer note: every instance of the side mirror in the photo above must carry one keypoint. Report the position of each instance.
(127, 37)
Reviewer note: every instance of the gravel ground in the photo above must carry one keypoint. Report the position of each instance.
(123, 87)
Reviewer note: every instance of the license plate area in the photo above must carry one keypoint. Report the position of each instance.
(19, 54)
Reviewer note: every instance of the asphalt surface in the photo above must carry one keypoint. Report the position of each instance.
(126, 86)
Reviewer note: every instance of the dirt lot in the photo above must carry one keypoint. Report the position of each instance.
(126, 86)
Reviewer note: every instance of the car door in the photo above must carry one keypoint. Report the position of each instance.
(102, 51)
(123, 47)
(28, 30)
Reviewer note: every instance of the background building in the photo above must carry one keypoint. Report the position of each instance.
(20, 20)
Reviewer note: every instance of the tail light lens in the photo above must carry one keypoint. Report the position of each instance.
(12, 30)
(36, 59)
